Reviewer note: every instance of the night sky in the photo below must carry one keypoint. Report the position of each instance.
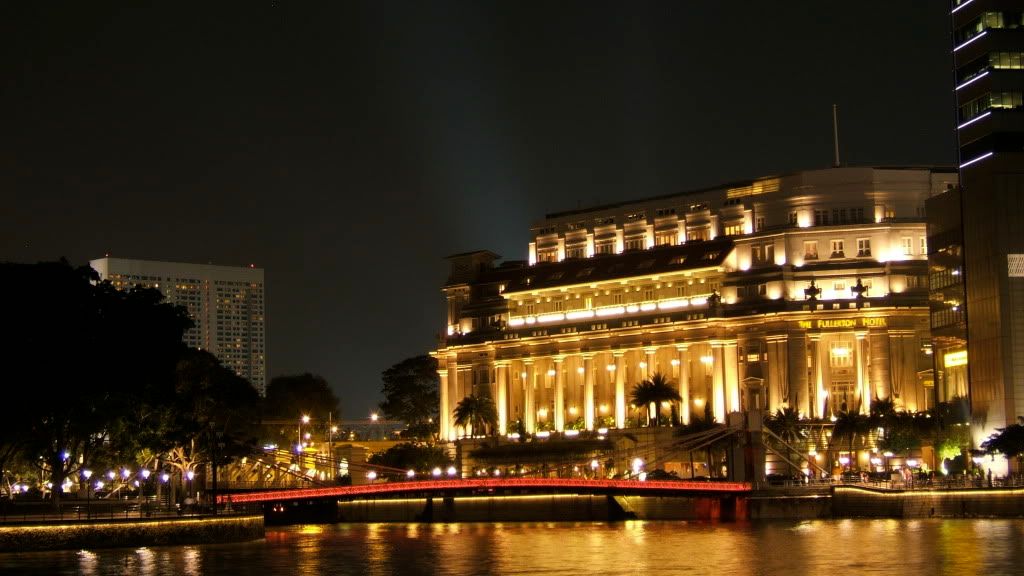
(348, 148)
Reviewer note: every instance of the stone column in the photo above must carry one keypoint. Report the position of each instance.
(529, 390)
(502, 368)
(777, 377)
(588, 391)
(559, 393)
(796, 372)
(860, 357)
(732, 382)
(878, 371)
(453, 396)
(445, 410)
(649, 367)
(718, 381)
(816, 392)
(682, 364)
(620, 390)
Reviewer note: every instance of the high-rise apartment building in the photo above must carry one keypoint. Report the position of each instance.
(988, 54)
(806, 291)
(226, 303)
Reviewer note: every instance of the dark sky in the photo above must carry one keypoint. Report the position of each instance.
(347, 148)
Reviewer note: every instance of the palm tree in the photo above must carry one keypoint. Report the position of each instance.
(652, 393)
(848, 426)
(785, 423)
(477, 413)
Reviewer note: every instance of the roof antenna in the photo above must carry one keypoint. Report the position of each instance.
(835, 134)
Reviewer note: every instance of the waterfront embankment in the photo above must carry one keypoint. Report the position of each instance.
(69, 535)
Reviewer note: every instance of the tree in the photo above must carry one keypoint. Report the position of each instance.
(289, 398)
(214, 416)
(476, 414)
(411, 456)
(651, 393)
(83, 355)
(1007, 441)
(411, 395)
(785, 423)
(849, 425)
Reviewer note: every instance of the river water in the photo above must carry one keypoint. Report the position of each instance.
(903, 547)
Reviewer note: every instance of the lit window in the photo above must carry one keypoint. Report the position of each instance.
(863, 247)
(837, 249)
(840, 355)
(908, 246)
(811, 250)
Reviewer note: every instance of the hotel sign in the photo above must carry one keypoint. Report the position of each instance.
(843, 323)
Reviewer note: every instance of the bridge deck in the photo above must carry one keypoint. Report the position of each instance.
(567, 485)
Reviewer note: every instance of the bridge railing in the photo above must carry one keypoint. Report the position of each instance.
(557, 484)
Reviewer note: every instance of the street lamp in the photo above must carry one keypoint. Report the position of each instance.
(164, 479)
(86, 474)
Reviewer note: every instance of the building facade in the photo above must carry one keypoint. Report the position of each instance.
(988, 54)
(226, 303)
(807, 290)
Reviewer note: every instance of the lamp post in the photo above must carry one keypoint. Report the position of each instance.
(142, 489)
(164, 479)
(86, 474)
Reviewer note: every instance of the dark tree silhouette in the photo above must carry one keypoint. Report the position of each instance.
(411, 395)
(654, 391)
(477, 413)
(83, 358)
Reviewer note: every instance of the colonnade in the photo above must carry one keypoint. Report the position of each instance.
(590, 389)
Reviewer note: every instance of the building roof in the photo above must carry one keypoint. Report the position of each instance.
(732, 184)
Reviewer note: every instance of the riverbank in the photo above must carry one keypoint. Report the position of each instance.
(70, 535)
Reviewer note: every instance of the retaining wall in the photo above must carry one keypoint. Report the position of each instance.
(120, 533)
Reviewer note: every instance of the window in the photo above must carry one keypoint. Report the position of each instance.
(547, 256)
(576, 252)
(908, 246)
(792, 218)
(857, 215)
(635, 243)
(616, 298)
(734, 230)
(605, 248)
(759, 223)
(863, 247)
(696, 235)
(821, 217)
(837, 249)
(648, 294)
(665, 239)
(811, 250)
(840, 355)
(924, 246)
(763, 253)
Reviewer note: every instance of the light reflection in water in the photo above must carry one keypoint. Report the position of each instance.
(786, 547)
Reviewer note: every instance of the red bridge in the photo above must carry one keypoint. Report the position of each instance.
(491, 485)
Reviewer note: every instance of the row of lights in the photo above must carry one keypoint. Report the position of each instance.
(411, 474)
(706, 359)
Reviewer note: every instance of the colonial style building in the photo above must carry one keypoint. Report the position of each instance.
(806, 290)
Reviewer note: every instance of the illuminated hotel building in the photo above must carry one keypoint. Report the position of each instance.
(225, 303)
(988, 55)
(807, 290)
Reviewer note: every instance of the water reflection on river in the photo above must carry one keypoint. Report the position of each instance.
(852, 546)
